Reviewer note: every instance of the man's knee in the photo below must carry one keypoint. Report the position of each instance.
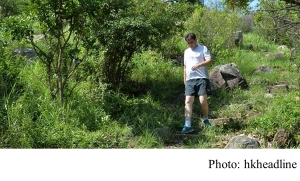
(203, 99)
(189, 100)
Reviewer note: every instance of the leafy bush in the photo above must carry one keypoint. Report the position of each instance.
(214, 29)
(128, 27)
(10, 67)
(162, 77)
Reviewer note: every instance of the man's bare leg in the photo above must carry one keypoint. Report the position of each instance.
(189, 100)
(204, 107)
(187, 128)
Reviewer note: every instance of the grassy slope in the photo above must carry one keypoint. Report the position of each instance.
(95, 118)
(256, 115)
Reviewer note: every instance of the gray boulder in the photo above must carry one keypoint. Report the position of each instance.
(237, 38)
(227, 76)
(242, 141)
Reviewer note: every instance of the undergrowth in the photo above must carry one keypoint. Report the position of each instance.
(96, 117)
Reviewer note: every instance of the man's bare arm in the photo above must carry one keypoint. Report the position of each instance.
(184, 74)
(206, 63)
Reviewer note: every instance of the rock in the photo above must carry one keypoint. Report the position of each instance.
(263, 68)
(275, 55)
(226, 76)
(278, 55)
(216, 79)
(237, 38)
(283, 139)
(279, 87)
(242, 141)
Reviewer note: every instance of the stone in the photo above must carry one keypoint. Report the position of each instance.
(278, 55)
(283, 138)
(263, 68)
(243, 142)
(237, 38)
(216, 79)
(279, 87)
(226, 76)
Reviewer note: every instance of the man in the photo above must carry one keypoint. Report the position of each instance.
(196, 60)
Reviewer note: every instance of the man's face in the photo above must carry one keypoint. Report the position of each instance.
(192, 43)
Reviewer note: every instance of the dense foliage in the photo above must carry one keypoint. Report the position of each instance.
(108, 73)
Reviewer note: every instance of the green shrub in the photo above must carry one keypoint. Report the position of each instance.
(214, 29)
(160, 75)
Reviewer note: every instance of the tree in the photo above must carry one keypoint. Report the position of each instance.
(280, 21)
(74, 27)
(9, 8)
(244, 3)
(186, 1)
(124, 28)
(293, 2)
(233, 4)
(214, 28)
(62, 22)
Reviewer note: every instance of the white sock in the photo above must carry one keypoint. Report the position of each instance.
(204, 118)
(187, 122)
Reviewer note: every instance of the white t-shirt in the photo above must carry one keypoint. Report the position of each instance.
(195, 56)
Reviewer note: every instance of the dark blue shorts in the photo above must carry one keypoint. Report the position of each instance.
(197, 87)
